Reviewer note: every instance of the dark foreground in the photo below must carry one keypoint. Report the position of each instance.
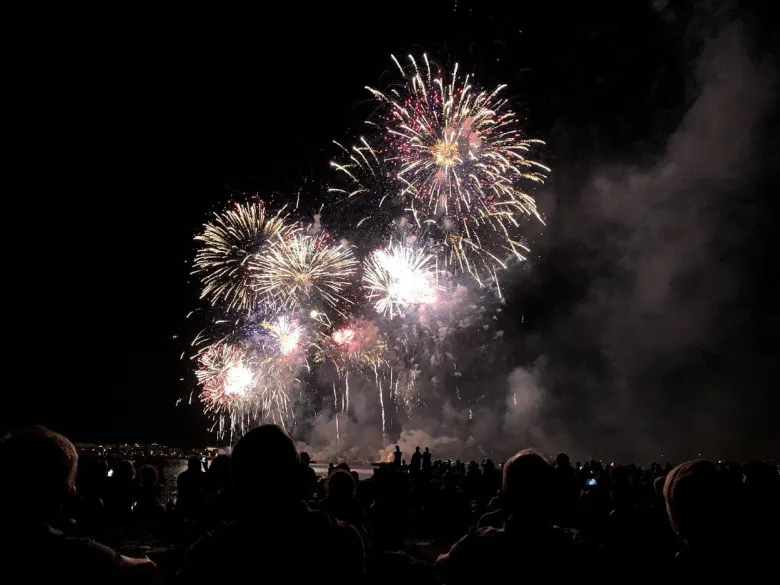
(264, 513)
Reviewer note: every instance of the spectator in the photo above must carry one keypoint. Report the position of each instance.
(217, 476)
(121, 493)
(703, 508)
(149, 491)
(190, 485)
(397, 455)
(426, 461)
(219, 505)
(38, 469)
(275, 526)
(309, 482)
(340, 502)
(528, 535)
(416, 461)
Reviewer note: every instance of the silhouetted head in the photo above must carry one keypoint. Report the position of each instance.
(219, 469)
(397, 448)
(305, 459)
(149, 476)
(266, 468)
(562, 460)
(341, 485)
(527, 484)
(702, 503)
(658, 486)
(416, 449)
(124, 471)
(426, 450)
(193, 464)
(39, 470)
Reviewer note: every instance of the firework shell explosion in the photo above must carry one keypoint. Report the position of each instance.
(357, 345)
(227, 377)
(436, 192)
(288, 337)
(302, 271)
(454, 158)
(228, 242)
(399, 276)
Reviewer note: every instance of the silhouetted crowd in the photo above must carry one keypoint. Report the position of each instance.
(262, 514)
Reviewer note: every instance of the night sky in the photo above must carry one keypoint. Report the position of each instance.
(128, 128)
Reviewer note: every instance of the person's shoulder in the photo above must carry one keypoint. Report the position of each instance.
(78, 544)
(198, 563)
(494, 518)
(563, 534)
(485, 532)
(88, 557)
(473, 546)
(479, 536)
(216, 537)
(321, 519)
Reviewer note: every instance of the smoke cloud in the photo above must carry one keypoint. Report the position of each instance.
(642, 365)
(662, 244)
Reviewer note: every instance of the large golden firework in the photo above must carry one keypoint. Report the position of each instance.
(298, 270)
(229, 241)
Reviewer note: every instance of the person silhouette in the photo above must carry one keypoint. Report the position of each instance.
(416, 461)
(39, 472)
(426, 460)
(274, 525)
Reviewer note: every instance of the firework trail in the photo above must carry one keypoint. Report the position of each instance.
(454, 158)
(228, 243)
(299, 270)
(283, 346)
(357, 347)
(399, 276)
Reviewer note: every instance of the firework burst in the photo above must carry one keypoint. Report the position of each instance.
(229, 241)
(286, 334)
(399, 276)
(225, 373)
(356, 345)
(454, 158)
(302, 270)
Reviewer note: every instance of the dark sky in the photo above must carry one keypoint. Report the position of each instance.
(128, 127)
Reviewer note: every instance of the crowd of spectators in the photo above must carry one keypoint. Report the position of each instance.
(263, 513)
